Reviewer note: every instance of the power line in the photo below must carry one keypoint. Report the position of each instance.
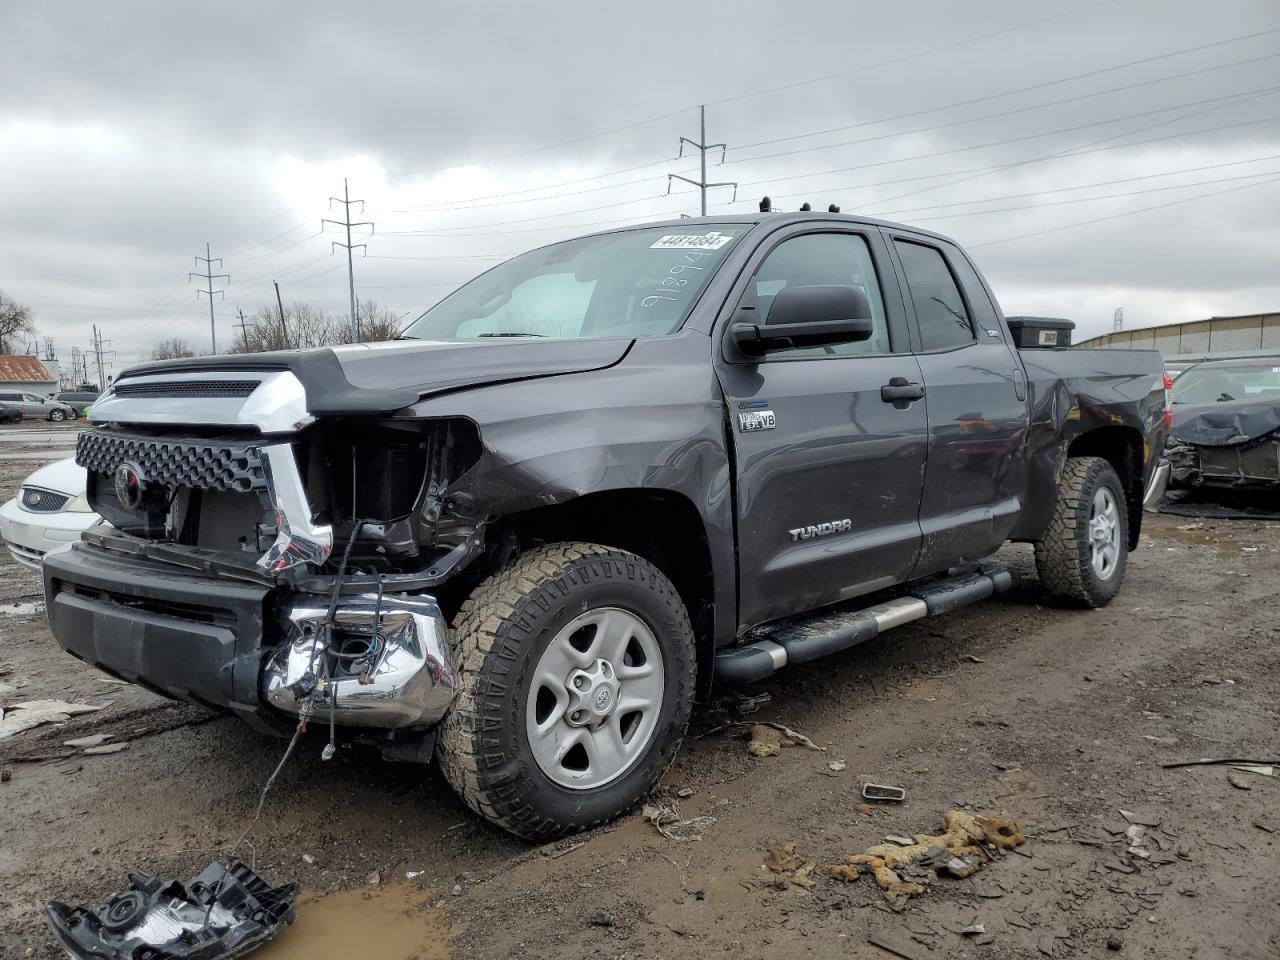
(702, 147)
(1127, 213)
(346, 202)
(757, 93)
(1037, 86)
(210, 276)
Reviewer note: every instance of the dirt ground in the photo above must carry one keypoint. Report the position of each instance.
(1058, 718)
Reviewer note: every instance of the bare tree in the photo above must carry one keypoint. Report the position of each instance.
(376, 322)
(304, 327)
(171, 349)
(15, 323)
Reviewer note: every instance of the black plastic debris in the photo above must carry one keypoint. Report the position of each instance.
(225, 912)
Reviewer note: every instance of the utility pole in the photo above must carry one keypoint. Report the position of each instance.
(244, 327)
(209, 276)
(702, 147)
(1117, 320)
(99, 353)
(346, 202)
(284, 328)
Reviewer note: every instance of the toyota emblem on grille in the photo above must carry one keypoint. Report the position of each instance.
(130, 484)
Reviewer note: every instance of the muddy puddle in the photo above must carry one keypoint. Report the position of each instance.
(391, 923)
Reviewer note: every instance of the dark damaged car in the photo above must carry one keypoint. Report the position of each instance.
(1226, 427)
(589, 484)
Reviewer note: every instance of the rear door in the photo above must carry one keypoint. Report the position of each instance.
(829, 471)
(975, 397)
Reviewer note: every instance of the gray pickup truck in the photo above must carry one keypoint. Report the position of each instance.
(589, 484)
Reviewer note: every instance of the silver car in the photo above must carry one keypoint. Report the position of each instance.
(38, 408)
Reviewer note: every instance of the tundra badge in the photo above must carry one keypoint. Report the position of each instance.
(820, 530)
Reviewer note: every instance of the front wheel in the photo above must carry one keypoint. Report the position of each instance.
(1085, 550)
(57, 416)
(575, 681)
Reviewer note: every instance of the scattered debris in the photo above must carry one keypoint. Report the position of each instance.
(1142, 818)
(601, 918)
(1225, 761)
(973, 930)
(35, 713)
(1265, 825)
(90, 741)
(413, 874)
(308, 859)
(374, 879)
(665, 816)
(864, 809)
(747, 704)
(893, 946)
(554, 851)
(6, 775)
(882, 793)
(225, 911)
(900, 841)
(837, 766)
(958, 852)
(1009, 765)
(1239, 782)
(970, 658)
(106, 748)
(457, 890)
(792, 869)
(1258, 768)
(684, 793)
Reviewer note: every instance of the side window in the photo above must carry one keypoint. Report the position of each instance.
(815, 259)
(940, 311)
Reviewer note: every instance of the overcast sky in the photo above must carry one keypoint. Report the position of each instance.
(132, 133)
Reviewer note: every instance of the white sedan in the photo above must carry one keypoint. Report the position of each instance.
(48, 514)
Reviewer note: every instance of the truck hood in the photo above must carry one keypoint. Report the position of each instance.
(383, 377)
(1222, 424)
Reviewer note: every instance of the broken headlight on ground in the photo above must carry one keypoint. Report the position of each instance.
(224, 912)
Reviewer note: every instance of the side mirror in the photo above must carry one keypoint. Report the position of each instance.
(808, 316)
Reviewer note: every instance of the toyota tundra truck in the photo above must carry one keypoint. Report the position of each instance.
(589, 485)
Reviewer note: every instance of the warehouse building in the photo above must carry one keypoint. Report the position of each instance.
(27, 375)
(1251, 335)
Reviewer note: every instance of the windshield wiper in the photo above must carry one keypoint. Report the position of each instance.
(511, 334)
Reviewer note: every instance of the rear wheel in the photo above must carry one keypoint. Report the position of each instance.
(575, 682)
(1085, 549)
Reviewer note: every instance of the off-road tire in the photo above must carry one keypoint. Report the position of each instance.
(1064, 555)
(499, 634)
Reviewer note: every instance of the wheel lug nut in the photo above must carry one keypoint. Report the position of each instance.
(579, 682)
(578, 715)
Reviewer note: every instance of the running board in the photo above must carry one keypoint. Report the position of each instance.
(802, 640)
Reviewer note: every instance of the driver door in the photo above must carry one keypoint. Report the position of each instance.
(829, 467)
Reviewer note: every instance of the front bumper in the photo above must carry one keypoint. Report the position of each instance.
(30, 536)
(247, 648)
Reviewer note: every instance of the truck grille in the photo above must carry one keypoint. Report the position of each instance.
(187, 388)
(214, 464)
(43, 501)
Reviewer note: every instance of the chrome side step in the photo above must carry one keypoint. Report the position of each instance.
(801, 640)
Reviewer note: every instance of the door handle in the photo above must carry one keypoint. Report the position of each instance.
(900, 388)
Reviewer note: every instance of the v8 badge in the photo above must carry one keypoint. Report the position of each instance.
(750, 421)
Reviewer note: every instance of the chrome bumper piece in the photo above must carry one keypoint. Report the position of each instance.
(408, 682)
(299, 539)
(1157, 485)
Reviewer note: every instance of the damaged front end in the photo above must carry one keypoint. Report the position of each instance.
(224, 912)
(333, 537)
(1249, 466)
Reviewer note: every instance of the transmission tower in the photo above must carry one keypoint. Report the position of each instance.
(1117, 320)
(346, 202)
(209, 276)
(702, 147)
(99, 353)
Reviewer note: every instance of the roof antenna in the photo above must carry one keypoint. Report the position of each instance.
(766, 205)
(805, 208)
(834, 208)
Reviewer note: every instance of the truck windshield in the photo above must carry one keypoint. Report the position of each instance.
(1215, 383)
(634, 283)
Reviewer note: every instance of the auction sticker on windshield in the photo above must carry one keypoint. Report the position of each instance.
(691, 241)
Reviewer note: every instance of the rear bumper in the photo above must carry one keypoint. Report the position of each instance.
(184, 636)
(1157, 486)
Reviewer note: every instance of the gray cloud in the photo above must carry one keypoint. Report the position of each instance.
(134, 132)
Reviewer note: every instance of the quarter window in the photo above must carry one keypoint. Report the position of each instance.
(940, 311)
(816, 259)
